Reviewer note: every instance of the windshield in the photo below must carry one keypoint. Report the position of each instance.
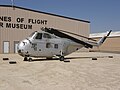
(38, 36)
(32, 34)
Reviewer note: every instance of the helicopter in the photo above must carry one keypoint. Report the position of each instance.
(50, 42)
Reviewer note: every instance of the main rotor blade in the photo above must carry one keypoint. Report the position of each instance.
(78, 35)
(63, 35)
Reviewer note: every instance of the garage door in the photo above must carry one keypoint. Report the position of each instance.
(6, 47)
(15, 46)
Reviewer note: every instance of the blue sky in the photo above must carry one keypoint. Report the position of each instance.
(103, 14)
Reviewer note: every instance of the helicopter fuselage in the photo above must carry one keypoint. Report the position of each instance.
(42, 44)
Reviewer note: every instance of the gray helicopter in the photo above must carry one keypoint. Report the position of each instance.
(51, 43)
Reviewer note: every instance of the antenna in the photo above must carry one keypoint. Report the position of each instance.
(12, 2)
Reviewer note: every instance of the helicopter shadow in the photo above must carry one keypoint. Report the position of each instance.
(56, 59)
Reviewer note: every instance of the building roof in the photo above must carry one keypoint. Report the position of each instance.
(97, 35)
(46, 13)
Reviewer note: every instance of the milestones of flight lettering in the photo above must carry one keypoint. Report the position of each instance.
(6, 22)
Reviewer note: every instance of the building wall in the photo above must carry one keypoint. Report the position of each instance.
(21, 16)
(112, 44)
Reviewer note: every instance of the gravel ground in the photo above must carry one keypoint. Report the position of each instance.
(81, 73)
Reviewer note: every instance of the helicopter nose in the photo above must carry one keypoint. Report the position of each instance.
(20, 50)
(23, 48)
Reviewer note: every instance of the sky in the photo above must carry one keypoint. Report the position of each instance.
(103, 15)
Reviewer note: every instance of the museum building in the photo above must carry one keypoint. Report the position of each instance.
(112, 43)
(17, 23)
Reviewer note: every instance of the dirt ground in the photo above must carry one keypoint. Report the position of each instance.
(81, 73)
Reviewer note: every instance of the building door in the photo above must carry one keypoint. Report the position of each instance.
(15, 46)
(6, 47)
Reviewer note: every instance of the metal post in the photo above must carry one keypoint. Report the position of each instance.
(12, 1)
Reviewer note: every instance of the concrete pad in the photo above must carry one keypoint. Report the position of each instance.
(81, 73)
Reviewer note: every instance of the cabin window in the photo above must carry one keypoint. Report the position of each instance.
(38, 36)
(56, 46)
(45, 35)
(48, 45)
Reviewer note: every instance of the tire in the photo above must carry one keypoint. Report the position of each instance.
(12, 62)
(25, 59)
(94, 58)
(5, 58)
(30, 59)
(62, 58)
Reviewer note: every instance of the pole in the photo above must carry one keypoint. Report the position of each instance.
(12, 1)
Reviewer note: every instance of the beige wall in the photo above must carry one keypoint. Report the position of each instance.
(112, 44)
(13, 34)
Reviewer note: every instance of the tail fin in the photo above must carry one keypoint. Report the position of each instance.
(102, 40)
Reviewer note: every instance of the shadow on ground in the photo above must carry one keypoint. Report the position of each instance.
(67, 58)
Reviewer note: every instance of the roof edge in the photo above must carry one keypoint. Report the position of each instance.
(46, 13)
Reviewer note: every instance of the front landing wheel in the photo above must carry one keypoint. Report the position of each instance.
(25, 59)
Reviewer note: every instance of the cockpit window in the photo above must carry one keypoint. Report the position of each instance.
(38, 36)
(45, 35)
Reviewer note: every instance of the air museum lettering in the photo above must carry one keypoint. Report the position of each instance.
(20, 22)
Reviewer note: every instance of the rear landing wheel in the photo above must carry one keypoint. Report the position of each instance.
(61, 58)
(30, 59)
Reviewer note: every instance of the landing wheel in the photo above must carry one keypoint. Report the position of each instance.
(61, 58)
(25, 59)
(30, 59)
